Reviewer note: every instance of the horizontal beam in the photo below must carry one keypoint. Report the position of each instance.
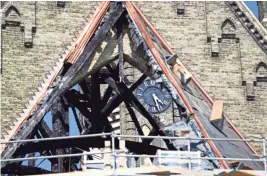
(23, 170)
(82, 143)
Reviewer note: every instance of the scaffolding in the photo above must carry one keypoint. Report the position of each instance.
(114, 154)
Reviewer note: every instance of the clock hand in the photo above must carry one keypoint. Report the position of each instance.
(155, 99)
(158, 99)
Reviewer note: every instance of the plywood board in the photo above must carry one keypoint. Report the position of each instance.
(179, 70)
(216, 113)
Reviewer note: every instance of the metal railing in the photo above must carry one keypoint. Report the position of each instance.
(115, 155)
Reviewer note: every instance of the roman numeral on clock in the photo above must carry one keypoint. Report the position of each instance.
(154, 109)
(152, 82)
(145, 83)
(142, 101)
(140, 88)
(146, 106)
(165, 102)
(139, 94)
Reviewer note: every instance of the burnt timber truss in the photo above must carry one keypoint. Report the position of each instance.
(91, 109)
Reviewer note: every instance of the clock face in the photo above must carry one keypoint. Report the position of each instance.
(153, 96)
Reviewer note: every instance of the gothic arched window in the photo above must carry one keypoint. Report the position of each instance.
(228, 29)
(12, 15)
(261, 72)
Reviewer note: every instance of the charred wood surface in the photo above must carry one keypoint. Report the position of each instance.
(60, 125)
(96, 99)
(82, 143)
(23, 170)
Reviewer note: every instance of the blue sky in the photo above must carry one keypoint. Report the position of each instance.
(74, 130)
(253, 7)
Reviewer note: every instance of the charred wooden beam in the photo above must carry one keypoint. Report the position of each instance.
(121, 88)
(113, 103)
(138, 82)
(46, 132)
(23, 170)
(67, 81)
(134, 118)
(60, 126)
(103, 74)
(75, 102)
(120, 48)
(60, 118)
(57, 164)
(142, 148)
(117, 99)
(86, 88)
(129, 96)
(83, 123)
(31, 162)
(82, 143)
(106, 96)
(96, 98)
(85, 111)
(112, 83)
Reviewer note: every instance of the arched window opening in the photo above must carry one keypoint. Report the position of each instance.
(12, 15)
(228, 29)
(261, 72)
(261, 65)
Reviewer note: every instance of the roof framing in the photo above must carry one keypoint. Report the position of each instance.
(80, 57)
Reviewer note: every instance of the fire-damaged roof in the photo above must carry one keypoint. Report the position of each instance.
(152, 56)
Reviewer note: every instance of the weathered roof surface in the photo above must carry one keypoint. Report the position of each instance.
(219, 129)
(193, 96)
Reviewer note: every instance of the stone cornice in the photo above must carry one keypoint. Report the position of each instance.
(250, 22)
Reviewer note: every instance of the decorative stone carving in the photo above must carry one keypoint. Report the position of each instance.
(10, 15)
(228, 27)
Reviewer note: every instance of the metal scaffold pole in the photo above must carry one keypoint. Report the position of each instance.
(264, 153)
(113, 135)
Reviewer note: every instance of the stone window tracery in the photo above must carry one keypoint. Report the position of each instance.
(12, 16)
(261, 72)
(228, 29)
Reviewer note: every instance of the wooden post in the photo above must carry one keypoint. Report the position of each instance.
(60, 125)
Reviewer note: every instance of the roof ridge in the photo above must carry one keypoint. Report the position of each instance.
(43, 87)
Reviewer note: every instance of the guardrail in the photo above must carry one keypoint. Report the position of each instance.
(115, 155)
